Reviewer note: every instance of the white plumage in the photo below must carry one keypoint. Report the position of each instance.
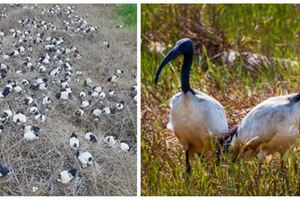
(135, 98)
(106, 110)
(74, 142)
(124, 146)
(82, 94)
(84, 104)
(28, 100)
(271, 126)
(55, 71)
(66, 176)
(17, 89)
(109, 140)
(90, 137)
(85, 158)
(111, 93)
(5, 115)
(40, 117)
(64, 95)
(88, 82)
(113, 78)
(43, 86)
(19, 118)
(33, 110)
(97, 112)
(119, 106)
(118, 71)
(79, 112)
(98, 89)
(30, 134)
(102, 95)
(46, 100)
(95, 94)
(42, 69)
(195, 118)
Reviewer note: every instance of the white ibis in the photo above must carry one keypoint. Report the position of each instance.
(74, 141)
(85, 158)
(271, 126)
(195, 117)
(66, 176)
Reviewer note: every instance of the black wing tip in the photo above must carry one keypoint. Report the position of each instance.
(294, 99)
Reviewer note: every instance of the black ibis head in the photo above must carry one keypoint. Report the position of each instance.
(182, 47)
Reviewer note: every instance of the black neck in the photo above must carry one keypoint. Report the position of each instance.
(185, 73)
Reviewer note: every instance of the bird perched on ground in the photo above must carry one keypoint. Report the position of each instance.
(195, 117)
(5, 116)
(110, 140)
(31, 132)
(19, 118)
(120, 105)
(4, 171)
(125, 146)
(74, 142)
(271, 126)
(85, 158)
(97, 112)
(66, 176)
(90, 137)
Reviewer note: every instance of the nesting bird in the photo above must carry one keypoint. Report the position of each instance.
(19, 118)
(110, 140)
(85, 158)
(120, 105)
(67, 175)
(5, 116)
(31, 132)
(90, 137)
(28, 100)
(106, 110)
(7, 90)
(97, 112)
(74, 141)
(84, 104)
(113, 78)
(125, 146)
(195, 117)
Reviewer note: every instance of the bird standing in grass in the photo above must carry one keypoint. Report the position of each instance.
(271, 126)
(195, 117)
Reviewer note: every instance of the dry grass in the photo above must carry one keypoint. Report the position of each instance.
(163, 158)
(39, 162)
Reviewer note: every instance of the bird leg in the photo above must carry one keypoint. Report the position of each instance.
(187, 162)
(261, 156)
(258, 176)
(283, 174)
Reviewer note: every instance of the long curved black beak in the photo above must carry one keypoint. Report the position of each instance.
(172, 54)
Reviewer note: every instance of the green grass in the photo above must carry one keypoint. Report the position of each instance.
(128, 12)
(238, 90)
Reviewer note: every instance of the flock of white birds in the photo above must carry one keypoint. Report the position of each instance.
(52, 76)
